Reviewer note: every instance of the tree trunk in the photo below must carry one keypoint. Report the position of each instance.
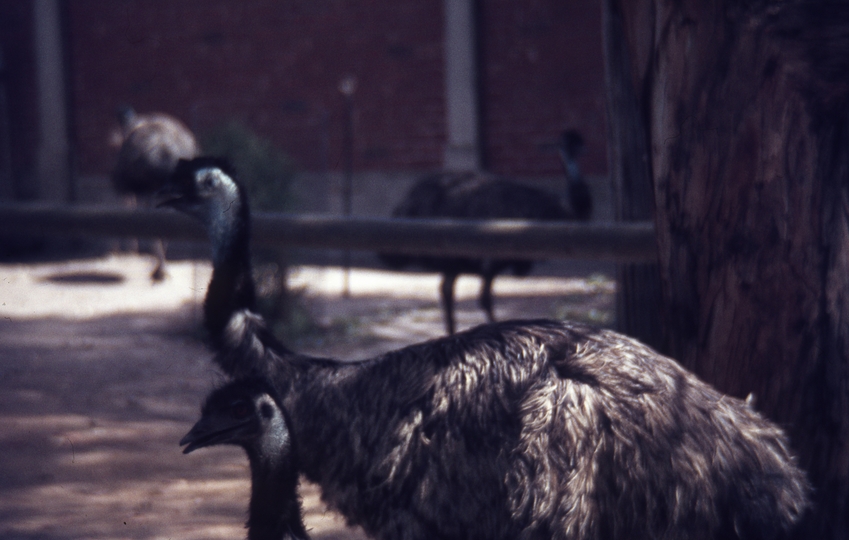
(638, 285)
(746, 111)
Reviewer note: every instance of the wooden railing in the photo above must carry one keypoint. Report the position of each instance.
(618, 242)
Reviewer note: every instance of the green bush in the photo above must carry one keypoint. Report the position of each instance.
(264, 169)
(266, 172)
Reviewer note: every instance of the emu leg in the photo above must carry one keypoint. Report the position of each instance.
(447, 291)
(158, 273)
(485, 299)
(131, 244)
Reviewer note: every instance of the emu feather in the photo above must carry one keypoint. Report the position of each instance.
(519, 429)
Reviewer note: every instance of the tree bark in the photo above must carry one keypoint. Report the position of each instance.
(746, 110)
(638, 296)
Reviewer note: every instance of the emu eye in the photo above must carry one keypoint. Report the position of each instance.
(241, 409)
(265, 410)
(206, 181)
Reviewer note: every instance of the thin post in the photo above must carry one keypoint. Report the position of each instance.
(347, 87)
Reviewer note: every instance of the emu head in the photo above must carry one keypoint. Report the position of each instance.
(126, 116)
(243, 413)
(578, 192)
(572, 142)
(206, 189)
(201, 186)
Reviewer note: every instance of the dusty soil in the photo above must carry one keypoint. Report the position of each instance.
(102, 372)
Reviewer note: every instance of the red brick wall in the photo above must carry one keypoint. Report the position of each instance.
(276, 65)
(542, 72)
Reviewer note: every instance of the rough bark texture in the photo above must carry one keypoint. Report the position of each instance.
(638, 292)
(746, 113)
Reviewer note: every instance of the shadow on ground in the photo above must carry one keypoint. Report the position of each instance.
(96, 390)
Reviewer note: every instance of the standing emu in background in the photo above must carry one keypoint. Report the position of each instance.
(570, 146)
(245, 413)
(479, 196)
(150, 146)
(519, 429)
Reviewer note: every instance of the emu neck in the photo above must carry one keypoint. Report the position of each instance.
(227, 224)
(275, 510)
(570, 165)
(232, 286)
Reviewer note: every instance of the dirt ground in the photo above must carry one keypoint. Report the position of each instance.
(102, 372)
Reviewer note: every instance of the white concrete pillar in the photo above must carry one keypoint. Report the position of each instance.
(52, 153)
(462, 147)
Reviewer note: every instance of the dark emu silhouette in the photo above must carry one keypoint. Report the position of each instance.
(481, 196)
(246, 413)
(518, 429)
(150, 146)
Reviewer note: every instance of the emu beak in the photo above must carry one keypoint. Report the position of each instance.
(194, 438)
(178, 200)
(210, 432)
(172, 197)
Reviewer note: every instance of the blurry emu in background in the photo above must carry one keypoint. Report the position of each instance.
(481, 196)
(150, 146)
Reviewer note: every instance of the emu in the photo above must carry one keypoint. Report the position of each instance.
(150, 145)
(246, 413)
(479, 196)
(517, 429)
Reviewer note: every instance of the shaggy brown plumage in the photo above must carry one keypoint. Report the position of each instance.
(522, 429)
(150, 146)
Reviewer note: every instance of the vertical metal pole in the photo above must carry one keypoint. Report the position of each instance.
(463, 145)
(347, 87)
(52, 166)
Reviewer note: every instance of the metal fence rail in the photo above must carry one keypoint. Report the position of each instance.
(617, 242)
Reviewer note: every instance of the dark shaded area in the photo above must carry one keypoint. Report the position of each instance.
(91, 412)
(100, 278)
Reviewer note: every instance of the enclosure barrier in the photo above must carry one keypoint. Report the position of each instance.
(617, 242)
